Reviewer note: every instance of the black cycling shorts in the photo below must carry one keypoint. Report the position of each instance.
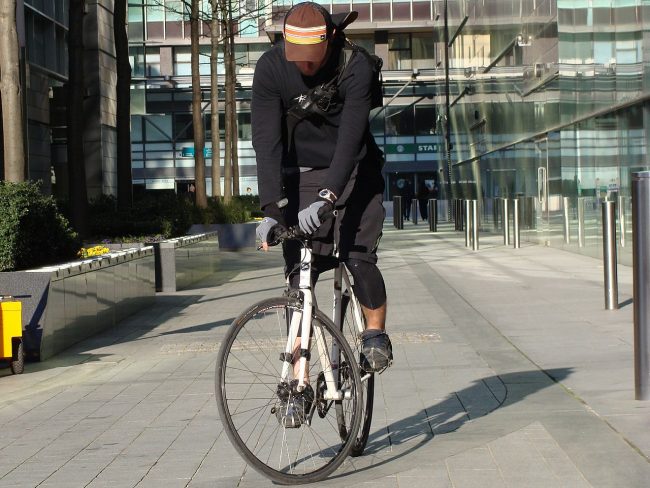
(358, 226)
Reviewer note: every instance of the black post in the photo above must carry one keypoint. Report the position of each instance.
(398, 216)
(641, 278)
(433, 215)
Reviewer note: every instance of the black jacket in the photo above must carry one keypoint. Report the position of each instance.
(338, 141)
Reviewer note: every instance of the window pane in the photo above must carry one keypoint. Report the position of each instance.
(155, 13)
(158, 128)
(183, 127)
(174, 10)
(153, 61)
(425, 120)
(399, 121)
(136, 57)
(423, 52)
(248, 28)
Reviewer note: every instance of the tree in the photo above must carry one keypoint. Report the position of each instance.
(214, 99)
(197, 112)
(231, 74)
(75, 119)
(223, 17)
(10, 94)
(228, 53)
(123, 110)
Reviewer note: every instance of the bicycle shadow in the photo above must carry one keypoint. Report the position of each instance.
(481, 398)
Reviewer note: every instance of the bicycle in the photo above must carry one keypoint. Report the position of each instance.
(256, 391)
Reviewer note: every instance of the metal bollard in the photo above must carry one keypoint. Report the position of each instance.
(641, 277)
(475, 223)
(581, 221)
(398, 216)
(621, 220)
(609, 255)
(515, 223)
(468, 222)
(505, 219)
(433, 214)
(567, 227)
(414, 211)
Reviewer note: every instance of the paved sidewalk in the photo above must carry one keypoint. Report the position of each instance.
(508, 373)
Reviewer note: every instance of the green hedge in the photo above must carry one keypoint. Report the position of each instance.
(164, 214)
(33, 232)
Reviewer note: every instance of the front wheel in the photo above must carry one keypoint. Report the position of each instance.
(250, 396)
(351, 329)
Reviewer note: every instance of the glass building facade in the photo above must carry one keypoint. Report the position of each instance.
(557, 115)
(543, 100)
(43, 36)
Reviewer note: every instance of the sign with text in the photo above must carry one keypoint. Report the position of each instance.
(188, 152)
(421, 148)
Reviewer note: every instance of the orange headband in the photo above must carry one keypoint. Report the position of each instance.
(305, 35)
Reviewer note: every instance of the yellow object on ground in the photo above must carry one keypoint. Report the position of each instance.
(10, 326)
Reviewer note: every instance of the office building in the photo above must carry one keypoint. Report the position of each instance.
(43, 38)
(543, 100)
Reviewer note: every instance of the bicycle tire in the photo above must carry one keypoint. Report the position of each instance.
(256, 448)
(349, 330)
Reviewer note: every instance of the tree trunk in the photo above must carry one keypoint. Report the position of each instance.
(227, 160)
(10, 94)
(75, 120)
(233, 113)
(214, 101)
(197, 113)
(123, 115)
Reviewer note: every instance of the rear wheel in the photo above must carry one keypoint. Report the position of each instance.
(248, 392)
(350, 329)
(18, 359)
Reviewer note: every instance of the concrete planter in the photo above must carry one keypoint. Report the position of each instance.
(65, 304)
(232, 237)
(186, 260)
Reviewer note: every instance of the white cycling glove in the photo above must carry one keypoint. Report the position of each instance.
(309, 218)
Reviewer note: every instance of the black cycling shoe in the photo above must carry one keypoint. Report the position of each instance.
(294, 406)
(376, 351)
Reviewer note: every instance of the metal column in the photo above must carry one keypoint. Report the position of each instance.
(641, 276)
(433, 215)
(567, 227)
(581, 221)
(609, 255)
(621, 220)
(458, 204)
(515, 223)
(398, 216)
(475, 223)
(505, 219)
(468, 222)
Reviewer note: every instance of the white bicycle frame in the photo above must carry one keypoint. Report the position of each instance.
(302, 321)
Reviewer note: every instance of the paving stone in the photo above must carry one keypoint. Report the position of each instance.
(508, 373)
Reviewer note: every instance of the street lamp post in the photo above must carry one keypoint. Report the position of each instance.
(447, 115)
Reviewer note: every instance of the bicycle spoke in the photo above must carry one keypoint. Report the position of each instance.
(271, 429)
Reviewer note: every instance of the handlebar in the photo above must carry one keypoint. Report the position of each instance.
(295, 233)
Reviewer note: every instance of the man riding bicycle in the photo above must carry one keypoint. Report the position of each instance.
(315, 154)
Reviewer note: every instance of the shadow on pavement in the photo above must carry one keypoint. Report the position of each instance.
(483, 397)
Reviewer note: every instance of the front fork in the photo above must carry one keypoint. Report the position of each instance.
(302, 321)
